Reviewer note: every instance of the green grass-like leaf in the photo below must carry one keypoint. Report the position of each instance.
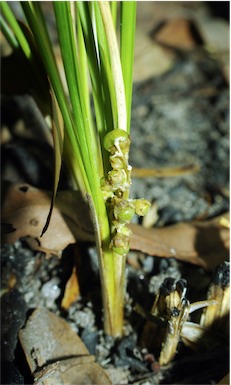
(127, 34)
(93, 71)
(7, 31)
(37, 25)
(16, 29)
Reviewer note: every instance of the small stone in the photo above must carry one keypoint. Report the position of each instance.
(51, 291)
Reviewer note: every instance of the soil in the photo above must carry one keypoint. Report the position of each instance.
(180, 117)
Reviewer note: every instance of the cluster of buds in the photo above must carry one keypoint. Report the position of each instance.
(115, 186)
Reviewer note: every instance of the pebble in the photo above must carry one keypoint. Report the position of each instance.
(51, 291)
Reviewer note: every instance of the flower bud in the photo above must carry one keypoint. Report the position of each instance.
(117, 178)
(142, 206)
(114, 136)
(104, 184)
(125, 214)
(125, 146)
(124, 210)
(120, 244)
(126, 231)
(117, 163)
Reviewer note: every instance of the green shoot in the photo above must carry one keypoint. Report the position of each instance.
(95, 146)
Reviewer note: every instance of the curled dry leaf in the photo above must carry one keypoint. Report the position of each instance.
(72, 290)
(25, 209)
(55, 353)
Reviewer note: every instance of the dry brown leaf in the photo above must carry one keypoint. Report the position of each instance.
(150, 58)
(177, 33)
(26, 208)
(73, 372)
(55, 353)
(72, 290)
(202, 243)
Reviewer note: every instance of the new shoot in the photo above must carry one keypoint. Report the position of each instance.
(93, 139)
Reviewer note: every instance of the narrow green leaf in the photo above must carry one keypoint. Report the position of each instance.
(127, 38)
(7, 32)
(83, 66)
(37, 25)
(113, 5)
(94, 69)
(86, 16)
(85, 88)
(19, 35)
(88, 149)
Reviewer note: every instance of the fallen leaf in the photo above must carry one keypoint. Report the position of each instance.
(72, 372)
(72, 291)
(178, 33)
(56, 354)
(150, 58)
(201, 243)
(48, 338)
(26, 208)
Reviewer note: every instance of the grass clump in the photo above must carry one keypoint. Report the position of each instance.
(94, 143)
